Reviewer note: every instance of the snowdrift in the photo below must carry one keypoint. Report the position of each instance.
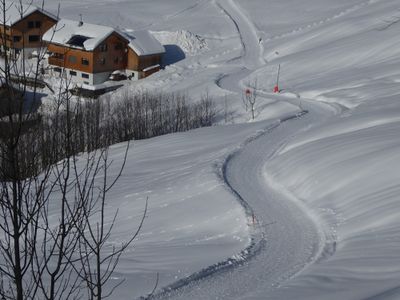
(347, 171)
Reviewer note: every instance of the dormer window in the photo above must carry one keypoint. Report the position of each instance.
(77, 40)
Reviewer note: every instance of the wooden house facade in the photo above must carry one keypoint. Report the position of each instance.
(26, 31)
(87, 60)
(89, 54)
(144, 65)
(144, 54)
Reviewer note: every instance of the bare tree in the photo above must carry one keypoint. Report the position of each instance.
(22, 192)
(97, 260)
(250, 98)
(46, 198)
(54, 231)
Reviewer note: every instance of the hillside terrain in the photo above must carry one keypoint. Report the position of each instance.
(315, 193)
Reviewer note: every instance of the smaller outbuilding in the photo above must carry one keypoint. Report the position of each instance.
(144, 54)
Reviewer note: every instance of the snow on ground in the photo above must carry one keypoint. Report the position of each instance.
(342, 169)
(348, 172)
(190, 43)
(193, 221)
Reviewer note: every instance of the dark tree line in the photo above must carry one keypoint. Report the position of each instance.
(94, 124)
(146, 115)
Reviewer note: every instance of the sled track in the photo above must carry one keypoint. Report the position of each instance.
(252, 50)
(257, 237)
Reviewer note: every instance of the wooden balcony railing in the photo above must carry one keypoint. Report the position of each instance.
(56, 61)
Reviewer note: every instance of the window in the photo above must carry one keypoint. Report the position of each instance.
(72, 73)
(118, 46)
(34, 24)
(16, 38)
(72, 59)
(84, 75)
(102, 61)
(58, 70)
(58, 55)
(86, 82)
(116, 60)
(103, 48)
(34, 38)
(85, 61)
(132, 75)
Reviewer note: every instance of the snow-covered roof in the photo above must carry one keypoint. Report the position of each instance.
(16, 12)
(72, 33)
(144, 43)
(151, 68)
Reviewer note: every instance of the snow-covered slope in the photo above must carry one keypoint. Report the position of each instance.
(193, 220)
(347, 171)
(342, 169)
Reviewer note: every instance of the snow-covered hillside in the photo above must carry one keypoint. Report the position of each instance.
(333, 171)
(347, 172)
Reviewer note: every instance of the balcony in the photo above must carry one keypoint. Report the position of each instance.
(56, 61)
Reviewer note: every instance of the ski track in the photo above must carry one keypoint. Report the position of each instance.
(177, 14)
(286, 236)
(317, 24)
(292, 237)
(275, 252)
(252, 49)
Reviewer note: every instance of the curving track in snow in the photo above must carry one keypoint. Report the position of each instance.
(252, 49)
(293, 236)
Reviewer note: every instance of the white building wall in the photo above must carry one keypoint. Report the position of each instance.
(79, 78)
(99, 78)
(132, 75)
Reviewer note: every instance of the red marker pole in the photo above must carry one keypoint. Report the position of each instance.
(276, 88)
